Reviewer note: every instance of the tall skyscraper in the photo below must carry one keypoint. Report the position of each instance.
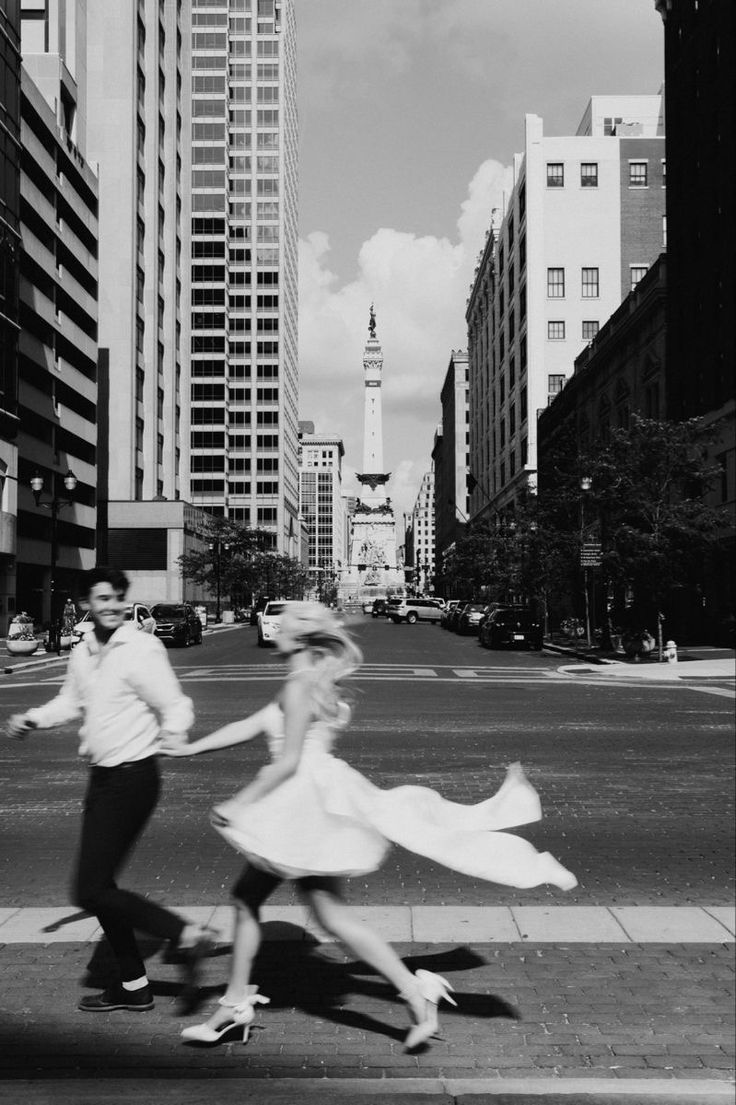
(57, 344)
(240, 307)
(422, 533)
(322, 504)
(9, 263)
(134, 75)
(450, 459)
(583, 223)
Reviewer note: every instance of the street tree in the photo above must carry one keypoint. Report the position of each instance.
(650, 484)
(236, 561)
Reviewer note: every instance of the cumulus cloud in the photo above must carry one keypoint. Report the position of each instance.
(419, 285)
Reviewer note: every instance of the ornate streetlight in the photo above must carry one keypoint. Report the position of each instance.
(218, 547)
(54, 505)
(586, 484)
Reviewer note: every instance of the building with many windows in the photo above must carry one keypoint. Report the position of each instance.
(57, 346)
(240, 303)
(10, 153)
(135, 134)
(450, 459)
(322, 504)
(583, 223)
(419, 541)
(699, 47)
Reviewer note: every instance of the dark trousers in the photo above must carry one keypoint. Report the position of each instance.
(117, 806)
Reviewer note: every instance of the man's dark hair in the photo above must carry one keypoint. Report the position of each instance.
(102, 574)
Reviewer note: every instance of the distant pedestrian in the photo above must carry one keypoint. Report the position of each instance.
(121, 683)
(308, 816)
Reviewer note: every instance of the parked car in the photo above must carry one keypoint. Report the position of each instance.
(177, 624)
(447, 610)
(367, 606)
(470, 617)
(511, 627)
(269, 621)
(455, 615)
(416, 610)
(379, 608)
(134, 612)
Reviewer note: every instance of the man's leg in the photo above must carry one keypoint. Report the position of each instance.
(119, 802)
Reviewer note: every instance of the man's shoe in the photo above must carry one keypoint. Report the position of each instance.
(135, 1001)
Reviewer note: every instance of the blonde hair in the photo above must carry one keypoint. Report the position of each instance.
(312, 626)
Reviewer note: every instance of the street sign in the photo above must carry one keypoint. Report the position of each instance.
(591, 554)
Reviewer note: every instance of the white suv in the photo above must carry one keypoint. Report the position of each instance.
(417, 610)
(269, 622)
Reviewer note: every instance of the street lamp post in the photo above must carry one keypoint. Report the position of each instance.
(586, 484)
(217, 548)
(54, 505)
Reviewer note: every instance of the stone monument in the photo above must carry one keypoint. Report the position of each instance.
(373, 569)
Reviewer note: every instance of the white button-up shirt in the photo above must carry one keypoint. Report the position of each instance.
(126, 692)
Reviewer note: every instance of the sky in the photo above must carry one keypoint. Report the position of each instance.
(410, 112)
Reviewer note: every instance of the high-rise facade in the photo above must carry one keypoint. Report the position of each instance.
(10, 241)
(240, 303)
(422, 533)
(583, 223)
(322, 503)
(699, 52)
(451, 458)
(135, 134)
(57, 345)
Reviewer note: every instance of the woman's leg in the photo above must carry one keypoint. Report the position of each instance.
(338, 919)
(249, 893)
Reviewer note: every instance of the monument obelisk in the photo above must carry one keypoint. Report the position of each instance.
(373, 569)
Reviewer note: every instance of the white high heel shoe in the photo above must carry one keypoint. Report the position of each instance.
(432, 988)
(243, 1015)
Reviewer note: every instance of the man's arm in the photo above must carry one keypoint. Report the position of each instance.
(66, 706)
(152, 678)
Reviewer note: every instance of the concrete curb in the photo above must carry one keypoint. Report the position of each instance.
(113, 1087)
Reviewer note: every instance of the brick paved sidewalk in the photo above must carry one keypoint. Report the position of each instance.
(607, 1014)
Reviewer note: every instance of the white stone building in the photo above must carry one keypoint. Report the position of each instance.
(583, 223)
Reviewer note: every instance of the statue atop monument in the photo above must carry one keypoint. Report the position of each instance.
(372, 323)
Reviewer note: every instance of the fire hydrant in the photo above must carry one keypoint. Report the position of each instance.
(669, 652)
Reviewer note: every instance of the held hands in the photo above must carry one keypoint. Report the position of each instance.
(173, 744)
(18, 726)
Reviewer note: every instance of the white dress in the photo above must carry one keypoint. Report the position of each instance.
(328, 819)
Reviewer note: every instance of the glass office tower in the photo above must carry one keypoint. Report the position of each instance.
(242, 314)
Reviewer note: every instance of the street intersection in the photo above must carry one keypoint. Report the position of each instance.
(626, 982)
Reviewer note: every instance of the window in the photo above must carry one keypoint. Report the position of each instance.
(556, 283)
(589, 174)
(637, 272)
(590, 329)
(555, 174)
(664, 173)
(610, 123)
(590, 284)
(638, 174)
(555, 384)
(556, 330)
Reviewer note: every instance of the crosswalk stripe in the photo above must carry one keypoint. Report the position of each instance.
(424, 924)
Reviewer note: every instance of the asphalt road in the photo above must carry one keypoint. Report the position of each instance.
(635, 779)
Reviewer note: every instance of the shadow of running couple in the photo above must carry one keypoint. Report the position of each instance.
(296, 971)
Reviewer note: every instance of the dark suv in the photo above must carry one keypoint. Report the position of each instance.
(379, 608)
(511, 627)
(177, 624)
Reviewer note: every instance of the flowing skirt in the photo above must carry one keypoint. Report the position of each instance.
(328, 819)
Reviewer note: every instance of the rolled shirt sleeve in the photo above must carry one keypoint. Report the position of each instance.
(66, 706)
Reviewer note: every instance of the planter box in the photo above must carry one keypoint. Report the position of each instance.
(20, 647)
